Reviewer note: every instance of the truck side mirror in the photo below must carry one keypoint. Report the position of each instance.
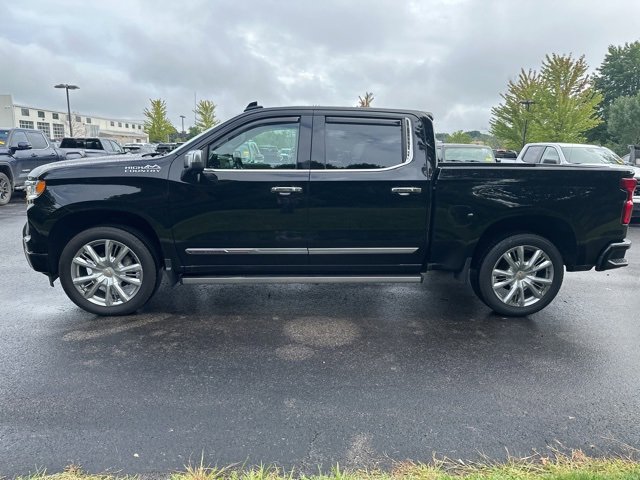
(193, 161)
(20, 146)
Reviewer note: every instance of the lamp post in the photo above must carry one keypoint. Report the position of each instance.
(527, 104)
(182, 117)
(68, 87)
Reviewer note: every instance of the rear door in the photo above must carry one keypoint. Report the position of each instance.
(369, 193)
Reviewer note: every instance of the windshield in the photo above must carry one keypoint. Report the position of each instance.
(591, 155)
(467, 154)
(4, 135)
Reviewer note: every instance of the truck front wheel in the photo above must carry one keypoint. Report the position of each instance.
(520, 275)
(5, 189)
(108, 271)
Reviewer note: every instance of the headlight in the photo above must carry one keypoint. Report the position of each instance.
(34, 188)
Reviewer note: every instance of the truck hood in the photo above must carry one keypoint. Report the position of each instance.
(118, 163)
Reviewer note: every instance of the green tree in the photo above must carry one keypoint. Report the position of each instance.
(509, 118)
(205, 115)
(365, 101)
(624, 122)
(568, 101)
(564, 104)
(459, 137)
(193, 131)
(157, 125)
(617, 76)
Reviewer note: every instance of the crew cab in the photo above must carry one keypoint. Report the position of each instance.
(362, 198)
(22, 150)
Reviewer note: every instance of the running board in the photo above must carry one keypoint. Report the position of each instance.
(305, 279)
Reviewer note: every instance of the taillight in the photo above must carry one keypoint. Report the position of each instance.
(628, 185)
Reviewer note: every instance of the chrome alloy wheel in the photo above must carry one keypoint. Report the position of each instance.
(522, 276)
(106, 272)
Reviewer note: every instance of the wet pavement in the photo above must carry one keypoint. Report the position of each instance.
(311, 375)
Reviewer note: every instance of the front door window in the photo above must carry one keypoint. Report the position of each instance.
(264, 147)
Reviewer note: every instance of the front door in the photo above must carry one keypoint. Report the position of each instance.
(368, 194)
(248, 210)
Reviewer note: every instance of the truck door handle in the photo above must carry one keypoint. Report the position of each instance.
(286, 190)
(34, 154)
(404, 191)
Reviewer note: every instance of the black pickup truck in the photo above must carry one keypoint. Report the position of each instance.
(362, 198)
(22, 150)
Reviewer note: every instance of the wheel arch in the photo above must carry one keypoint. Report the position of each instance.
(6, 169)
(72, 224)
(557, 231)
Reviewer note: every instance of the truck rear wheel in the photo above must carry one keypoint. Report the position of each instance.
(108, 271)
(520, 275)
(5, 189)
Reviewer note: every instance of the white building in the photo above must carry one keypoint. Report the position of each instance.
(55, 124)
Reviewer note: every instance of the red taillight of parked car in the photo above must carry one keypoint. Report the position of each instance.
(628, 185)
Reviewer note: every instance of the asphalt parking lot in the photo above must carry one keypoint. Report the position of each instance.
(309, 376)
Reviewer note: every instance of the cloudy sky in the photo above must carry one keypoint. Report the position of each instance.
(450, 57)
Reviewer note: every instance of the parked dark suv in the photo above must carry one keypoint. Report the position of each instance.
(22, 150)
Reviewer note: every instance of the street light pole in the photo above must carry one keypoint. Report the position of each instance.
(527, 104)
(182, 117)
(68, 87)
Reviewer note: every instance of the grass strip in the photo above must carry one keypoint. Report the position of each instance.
(576, 466)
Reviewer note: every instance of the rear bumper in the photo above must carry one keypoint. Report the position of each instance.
(613, 256)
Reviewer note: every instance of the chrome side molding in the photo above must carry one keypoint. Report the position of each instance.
(303, 279)
(362, 251)
(302, 251)
(246, 251)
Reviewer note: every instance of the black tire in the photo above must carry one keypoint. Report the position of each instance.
(527, 288)
(6, 189)
(110, 274)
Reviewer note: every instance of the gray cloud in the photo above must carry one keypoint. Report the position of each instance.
(451, 57)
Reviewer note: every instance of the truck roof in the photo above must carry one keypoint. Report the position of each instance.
(341, 109)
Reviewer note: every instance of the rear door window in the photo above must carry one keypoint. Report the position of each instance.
(551, 156)
(370, 144)
(37, 140)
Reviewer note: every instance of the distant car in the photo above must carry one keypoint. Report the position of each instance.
(139, 148)
(166, 147)
(92, 146)
(22, 150)
(462, 152)
(568, 154)
(505, 156)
